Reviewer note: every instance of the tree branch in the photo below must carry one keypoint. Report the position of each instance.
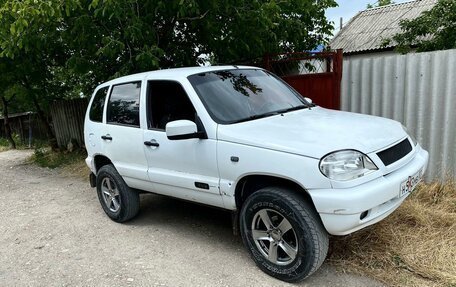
(12, 98)
(194, 18)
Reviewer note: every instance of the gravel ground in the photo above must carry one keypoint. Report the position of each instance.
(54, 233)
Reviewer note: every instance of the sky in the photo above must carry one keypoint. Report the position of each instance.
(348, 9)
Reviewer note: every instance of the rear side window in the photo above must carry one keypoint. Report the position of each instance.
(123, 106)
(96, 110)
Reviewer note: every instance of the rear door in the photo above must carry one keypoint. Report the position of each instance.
(123, 137)
(181, 168)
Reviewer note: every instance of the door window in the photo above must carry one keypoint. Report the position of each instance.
(123, 106)
(168, 101)
(96, 110)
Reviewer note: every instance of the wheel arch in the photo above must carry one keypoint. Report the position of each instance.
(251, 183)
(100, 160)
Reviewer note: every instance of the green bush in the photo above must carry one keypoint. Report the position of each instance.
(36, 143)
(44, 157)
(5, 143)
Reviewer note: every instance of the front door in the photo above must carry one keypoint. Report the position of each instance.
(181, 168)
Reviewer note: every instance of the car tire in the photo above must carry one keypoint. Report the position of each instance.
(295, 243)
(119, 202)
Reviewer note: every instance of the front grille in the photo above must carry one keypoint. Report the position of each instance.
(395, 153)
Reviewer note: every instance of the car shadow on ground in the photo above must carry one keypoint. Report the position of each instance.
(185, 217)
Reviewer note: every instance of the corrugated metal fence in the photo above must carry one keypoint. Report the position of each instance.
(418, 90)
(68, 119)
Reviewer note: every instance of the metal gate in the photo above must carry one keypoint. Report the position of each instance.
(316, 75)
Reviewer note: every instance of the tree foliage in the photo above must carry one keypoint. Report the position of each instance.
(64, 48)
(380, 3)
(434, 29)
(99, 39)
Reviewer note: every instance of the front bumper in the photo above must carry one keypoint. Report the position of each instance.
(345, 210)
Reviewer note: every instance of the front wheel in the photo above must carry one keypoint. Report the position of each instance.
(283, 234)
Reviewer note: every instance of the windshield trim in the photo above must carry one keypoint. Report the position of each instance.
(253, 117)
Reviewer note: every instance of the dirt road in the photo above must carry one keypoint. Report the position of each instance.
(53, 232)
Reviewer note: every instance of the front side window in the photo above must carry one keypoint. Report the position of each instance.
(167, 101)
(238, 95)
(123, 106)
(96, 110)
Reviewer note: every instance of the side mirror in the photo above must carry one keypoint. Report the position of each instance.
(182, 129)
(309, 100)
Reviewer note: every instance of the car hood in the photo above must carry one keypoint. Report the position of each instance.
(315, 132)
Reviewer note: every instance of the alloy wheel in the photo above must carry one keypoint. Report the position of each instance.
(111, 196)
(274, 236)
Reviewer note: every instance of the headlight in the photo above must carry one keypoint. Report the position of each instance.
(414, 142)
(346, 165)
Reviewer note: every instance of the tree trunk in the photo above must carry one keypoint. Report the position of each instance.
(8, 135)
(47, 125)
(42, 116)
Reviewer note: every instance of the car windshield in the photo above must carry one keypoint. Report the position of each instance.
(238, 95)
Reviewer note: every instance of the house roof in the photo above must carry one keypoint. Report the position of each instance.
(10, 116)
(368, 29)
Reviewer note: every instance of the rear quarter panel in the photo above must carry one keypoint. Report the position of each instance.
(93, 131)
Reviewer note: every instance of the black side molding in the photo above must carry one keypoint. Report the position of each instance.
(201, 185)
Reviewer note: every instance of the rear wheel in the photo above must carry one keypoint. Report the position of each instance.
(119, 202)
(283, 234)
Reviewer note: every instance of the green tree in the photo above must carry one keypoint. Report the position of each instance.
(30, 37)
(11, 96)
(380, 3)
(64, 48)
(434, 29)
(111, 38)
(132, 36)
(7, 96)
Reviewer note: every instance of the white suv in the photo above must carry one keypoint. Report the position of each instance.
(241, 139)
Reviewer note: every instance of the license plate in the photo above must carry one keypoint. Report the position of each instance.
(410, 184)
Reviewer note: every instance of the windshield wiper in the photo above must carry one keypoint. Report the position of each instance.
(294, 109)
(254, 117)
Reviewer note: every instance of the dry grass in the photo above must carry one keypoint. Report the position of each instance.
(70, 163)
(415, 246)
(45, 157)
(77, 169)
